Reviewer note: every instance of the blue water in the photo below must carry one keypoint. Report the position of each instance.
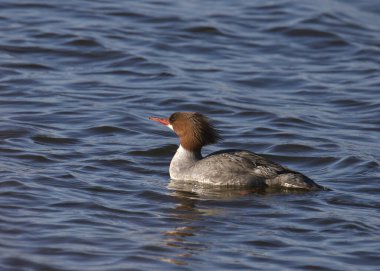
(84, 181)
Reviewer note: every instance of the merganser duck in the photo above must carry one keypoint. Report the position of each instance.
(228, 168)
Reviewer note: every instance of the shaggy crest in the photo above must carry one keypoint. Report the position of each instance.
(194, 129)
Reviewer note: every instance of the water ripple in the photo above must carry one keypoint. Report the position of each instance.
(84, 174)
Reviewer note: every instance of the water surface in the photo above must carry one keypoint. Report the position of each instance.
(84, 173)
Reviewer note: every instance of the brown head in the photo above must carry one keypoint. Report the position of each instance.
(193, 129)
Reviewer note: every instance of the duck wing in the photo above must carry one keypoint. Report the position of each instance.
(245, 162)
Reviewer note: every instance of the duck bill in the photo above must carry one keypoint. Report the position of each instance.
(164, 121)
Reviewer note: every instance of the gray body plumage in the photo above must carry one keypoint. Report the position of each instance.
(235, 168)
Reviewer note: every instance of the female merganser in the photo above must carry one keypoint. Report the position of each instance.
(229, 168)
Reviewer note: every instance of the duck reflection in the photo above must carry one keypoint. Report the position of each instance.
(183, 236)
(205, 192)
(192, 219)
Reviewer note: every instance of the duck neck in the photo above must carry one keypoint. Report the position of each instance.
(183, 162)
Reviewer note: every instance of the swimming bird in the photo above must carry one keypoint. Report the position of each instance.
(226, 168)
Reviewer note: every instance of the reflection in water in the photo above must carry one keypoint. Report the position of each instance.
(183, 236)
(196, 190)
(189, 237)
(206, 192)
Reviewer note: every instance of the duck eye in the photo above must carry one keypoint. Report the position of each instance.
(172, 118)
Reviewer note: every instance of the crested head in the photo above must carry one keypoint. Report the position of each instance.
(194, 130)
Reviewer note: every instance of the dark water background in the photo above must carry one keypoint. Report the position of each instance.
(84, 173)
